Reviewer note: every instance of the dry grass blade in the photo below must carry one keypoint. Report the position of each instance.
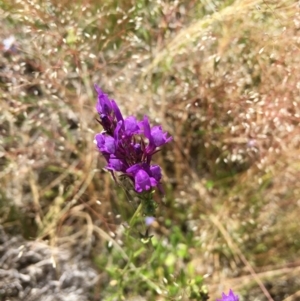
(236, 250)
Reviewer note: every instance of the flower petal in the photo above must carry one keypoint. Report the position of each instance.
(115, 164)
(142, 181)
(156, 172)
(159, 137)
(131, 126)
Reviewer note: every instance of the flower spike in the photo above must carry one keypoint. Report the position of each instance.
(128, 145)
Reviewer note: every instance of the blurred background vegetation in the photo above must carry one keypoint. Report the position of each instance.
(222, 77)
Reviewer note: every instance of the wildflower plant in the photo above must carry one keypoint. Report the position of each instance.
(128, 146)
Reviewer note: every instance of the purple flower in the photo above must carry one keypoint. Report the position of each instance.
(116, 111)
(108, 111)
(155, 172)
(115, 165)
(126, 129)
(230, 297)
(149, 220)
(159, 137)
(103, 106)
(128, 145)
(131, 126)
(106, 144)
(156, 136)
(143, 181)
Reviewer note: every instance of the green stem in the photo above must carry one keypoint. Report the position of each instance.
(135, 215)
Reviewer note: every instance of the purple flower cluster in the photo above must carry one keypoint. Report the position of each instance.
(231, 297)
(128, 144)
